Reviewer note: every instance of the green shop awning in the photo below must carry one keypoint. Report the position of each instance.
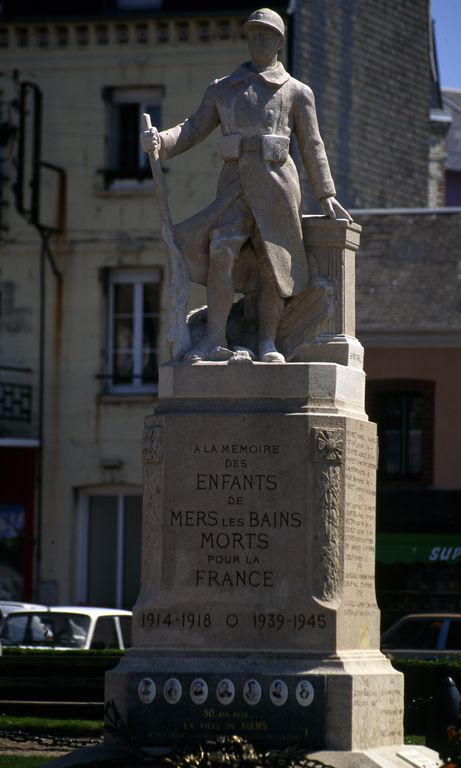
(418, 548)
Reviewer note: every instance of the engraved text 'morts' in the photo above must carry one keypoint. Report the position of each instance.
(241, 541)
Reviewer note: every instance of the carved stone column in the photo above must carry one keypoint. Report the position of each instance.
(331, 246)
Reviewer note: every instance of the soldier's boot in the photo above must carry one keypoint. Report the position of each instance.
(220, 296)
(270, 309)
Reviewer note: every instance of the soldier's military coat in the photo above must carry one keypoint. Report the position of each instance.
(258, 113)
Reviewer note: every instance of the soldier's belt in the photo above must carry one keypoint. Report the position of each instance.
(270, 147)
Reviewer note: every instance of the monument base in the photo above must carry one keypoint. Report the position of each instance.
(395, 756)
(345, 702)
(257, 614)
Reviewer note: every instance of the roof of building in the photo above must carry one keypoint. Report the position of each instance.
(408, 272)
(452, 103)
(30, 9)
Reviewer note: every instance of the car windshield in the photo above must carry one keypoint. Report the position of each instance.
(414, 634)
(45, 629)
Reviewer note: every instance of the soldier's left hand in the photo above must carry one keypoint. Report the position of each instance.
(335, 210)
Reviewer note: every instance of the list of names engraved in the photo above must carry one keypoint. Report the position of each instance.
(359, 536)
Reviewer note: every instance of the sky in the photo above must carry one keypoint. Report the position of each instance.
(447, 17)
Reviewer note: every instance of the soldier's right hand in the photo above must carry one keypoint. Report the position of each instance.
(150, 140)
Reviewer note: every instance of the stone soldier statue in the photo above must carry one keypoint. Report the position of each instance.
(259, 107)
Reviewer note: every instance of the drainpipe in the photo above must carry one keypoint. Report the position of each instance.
(31, 214)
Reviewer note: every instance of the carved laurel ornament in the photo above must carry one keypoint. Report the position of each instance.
(328, 571)
(152, 445)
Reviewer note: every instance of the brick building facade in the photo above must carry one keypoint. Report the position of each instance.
(368, 64)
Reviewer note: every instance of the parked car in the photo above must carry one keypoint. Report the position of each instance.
(8, 606)
(67, 627)
(423, 635)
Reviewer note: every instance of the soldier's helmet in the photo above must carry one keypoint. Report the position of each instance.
(267, 18)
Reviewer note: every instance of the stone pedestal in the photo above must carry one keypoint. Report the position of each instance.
(257, 614)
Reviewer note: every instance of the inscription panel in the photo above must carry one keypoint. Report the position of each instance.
(383, 692)
(263, 709)
(234, 528)
(359, 535)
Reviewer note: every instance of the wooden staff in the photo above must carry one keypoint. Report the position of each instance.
(178, 283)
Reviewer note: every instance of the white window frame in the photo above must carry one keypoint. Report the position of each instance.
(144, 97)
(83, 521)
(138, 278)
